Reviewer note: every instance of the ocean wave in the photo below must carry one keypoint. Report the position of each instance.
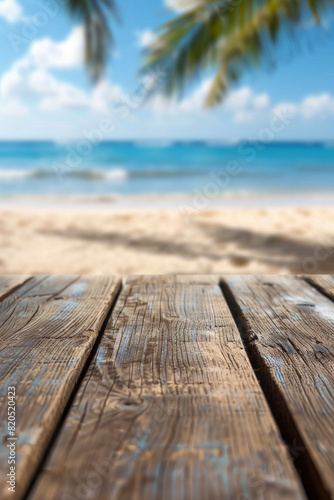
(111, 175)
(16, 174)
(121, 174)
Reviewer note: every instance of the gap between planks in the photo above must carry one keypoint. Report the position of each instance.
(48, 329)
(8, 284)
(72, 396)
(323, 283)
(288, 329)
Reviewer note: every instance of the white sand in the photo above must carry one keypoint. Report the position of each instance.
(230, 240)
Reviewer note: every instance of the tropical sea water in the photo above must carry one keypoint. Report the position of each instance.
(160, 167)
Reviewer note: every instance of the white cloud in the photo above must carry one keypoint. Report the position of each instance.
(12, 82)
(46, 53)
(197, 98)
(27, 83)
(243, 98)
(194, 102)
(145, 38)
(10, 10)
(243, 103)
(285, 109)
(29, 76)
(12, 107)
(317, 106)
(312, 107)
(161, 104)
(56, 94)
(105, 95)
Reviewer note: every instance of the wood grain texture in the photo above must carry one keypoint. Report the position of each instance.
(290, 330)
(170, 408)
(46, 336)
(324, 283)
(9, 283)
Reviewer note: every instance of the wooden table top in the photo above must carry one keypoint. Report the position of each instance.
(167, 387)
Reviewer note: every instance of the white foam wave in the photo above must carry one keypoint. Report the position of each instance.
(15, 174)
(115, 174)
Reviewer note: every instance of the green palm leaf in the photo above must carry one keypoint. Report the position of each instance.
(226, 36)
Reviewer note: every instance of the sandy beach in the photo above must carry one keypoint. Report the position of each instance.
(83, 240)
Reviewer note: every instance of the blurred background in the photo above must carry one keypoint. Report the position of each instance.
(166, 136)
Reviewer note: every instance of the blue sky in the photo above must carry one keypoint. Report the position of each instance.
(45, 92)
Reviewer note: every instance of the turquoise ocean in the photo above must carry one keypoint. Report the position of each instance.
(163, 167)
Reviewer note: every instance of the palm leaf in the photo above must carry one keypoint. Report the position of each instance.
(98, 37)
(226, 36)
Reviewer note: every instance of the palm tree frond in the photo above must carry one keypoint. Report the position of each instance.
(98, 37)
(227, 36)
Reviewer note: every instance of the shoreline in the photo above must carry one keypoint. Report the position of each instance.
(182, 202)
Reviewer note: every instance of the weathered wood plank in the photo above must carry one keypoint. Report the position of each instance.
(170, 407)
(290, 327)
(16, 293)
(10, 283)
(325, 283)
(46, 337)
(24, 302)
(172, 279)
